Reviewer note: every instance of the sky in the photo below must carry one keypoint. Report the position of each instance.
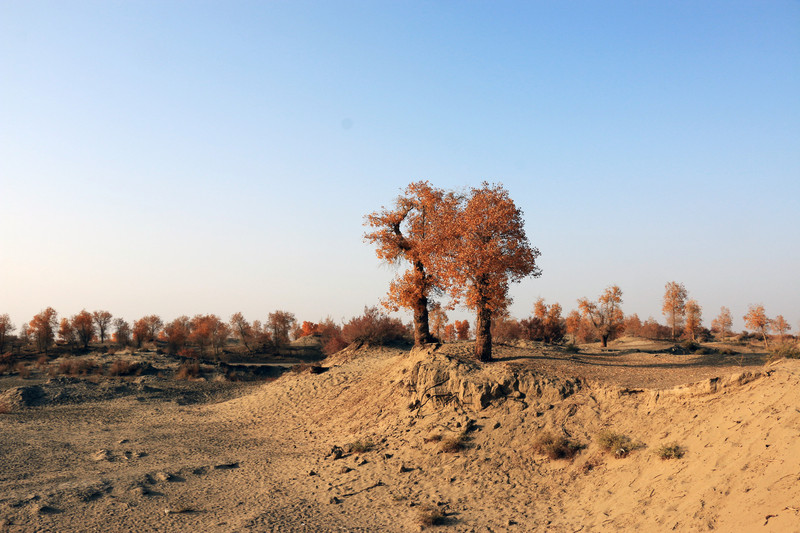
(170, 157)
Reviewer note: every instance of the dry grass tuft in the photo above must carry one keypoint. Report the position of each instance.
(23, 370)
(77, 367)
(452, 444)
(360, 446)
(670, 451)
(429, 515)
(188, 371)
(617, 444)
(5, 408)
(556, 447)
(123, 367)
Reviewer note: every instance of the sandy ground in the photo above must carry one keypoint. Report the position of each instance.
(152, 454)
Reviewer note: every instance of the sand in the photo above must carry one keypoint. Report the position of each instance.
(359, 447)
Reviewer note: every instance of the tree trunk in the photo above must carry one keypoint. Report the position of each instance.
(422, 332)
(604, 340)
(483, 333)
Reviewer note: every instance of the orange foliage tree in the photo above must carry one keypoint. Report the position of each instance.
(102, 320)
(177, 333)
(280, 324)
(122, 332)
(723, 323)
(412, 232)
(449, 334)
(633, 325)
(486, 249)
(756, 320)
(42, 328)
(438, 319)
(83, 324)
(674, 307)
(780, 326)
(6, 328)
(66, 333)
(694, 319)
(462, 329)
(209, 330)
(146, 329)
(605, 314)
(242, 330)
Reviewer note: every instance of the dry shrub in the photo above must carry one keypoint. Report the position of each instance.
(123, 367)
(433, 438)
(188, 353)
(617, 444)
(785, 350)
(23, 370)
(429, 515)
(556, 447)
(5, 408)
(42, 362)
(188, 371)
(360, 446)
(374, 327)
(333, 345)
(4, 368)
(308, 368)
(77, 367)
(670, 451)
(452, 444)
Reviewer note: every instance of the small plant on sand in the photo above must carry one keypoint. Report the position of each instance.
(786, 350)
(188, 371)
(360, 446)
(429, 515)
(670, 451)
(5, 408)
(556, 447)
(617, 444)
(571, 348)
(77, 367)
(123, 367)
(433, 438)
(452, 444)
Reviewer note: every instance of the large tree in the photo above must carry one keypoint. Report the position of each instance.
(42, 328)
(485, 249)
(780, 326)
(102, 320)
(723, 323)
(694, 319)
(412, 232)
(674, 307)
(280, 324)
(756, 320)
(83, 324)
(605, 314)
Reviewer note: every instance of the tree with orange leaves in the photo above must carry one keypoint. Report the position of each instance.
(756, 320)
(42, 328)
(694, 319)
(483, 250)
(412, 231)
(674, 307)
(102, 320)
(462, 329)
(780, 326)
(723, 322)
(605, 315)
(83, 324)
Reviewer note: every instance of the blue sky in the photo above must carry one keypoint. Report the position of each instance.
(213, 157)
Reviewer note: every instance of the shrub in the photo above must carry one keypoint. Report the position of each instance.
(77, 367)
(786, 350)
(23, 370)
(42, 362)
(556, 447)
(188, 371)
(670, 451)
(123, 367)
(452, 444)
(374, 327)
(5, 408)
(360, 446)
(429, 515)
(617, 444)
(188, 353)
(572, 348)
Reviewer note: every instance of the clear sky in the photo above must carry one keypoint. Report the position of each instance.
(213, 157)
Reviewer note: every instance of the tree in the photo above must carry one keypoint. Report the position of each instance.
(554, 325)
(694, 320)
(42, 328)
(674, 305)
(756, 320)
(280, 324)
(412, 232)
(177, 333)
(605, 315)
(723, 323)
(6, 328)
(462, 329)
(242, 330)
(102, 320)
(83, 324)
(122, 332)
(449, 334)
(484, 249)
(146, 329)
(633, 325)
(780, 326)
(209, 330)
(438, 319)
(66, 333)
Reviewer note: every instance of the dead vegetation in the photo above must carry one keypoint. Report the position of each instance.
(556, 447)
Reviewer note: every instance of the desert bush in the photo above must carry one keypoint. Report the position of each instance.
(670, 451)
(188, 371)
(307, 367)
(189, 353)
(4, 368)
(374, 327)
(617, 444)
(123, 367)
(77, 367)
(571, 348)
(333, 345)
(360, 446)
(5, 408)
(452, 444)
(786, 350)
(556, 447)
(23, 370)
(506, 329)
(429, 515)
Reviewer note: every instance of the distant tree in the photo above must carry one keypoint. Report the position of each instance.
(694, 319)
(102, 320)
(308, 328)
(651, 329)
(139, 332)
(449, 334)
(485, 250)
(780, 326)
(756, 320)
(573, 323)
(331, 336)
(632, 325)
(242, 330)
(6, 328)
(122, 332)
(462, 329)
(262, 338)
(438, 319)
(554, 325)
(723, 323)
(177, 333)
(413, 231)
(209, 330)
(374, 327)
(66, 333)
(280, 324)
(506, 329)
(83, 324)
(154, 325)
(674, 307)
(546, 323)
(42, 328)
(605, 315)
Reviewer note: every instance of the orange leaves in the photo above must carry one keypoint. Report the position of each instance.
(723, 323)
(693, 319)
(756, 320)
(606, 314)
(674, 307)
